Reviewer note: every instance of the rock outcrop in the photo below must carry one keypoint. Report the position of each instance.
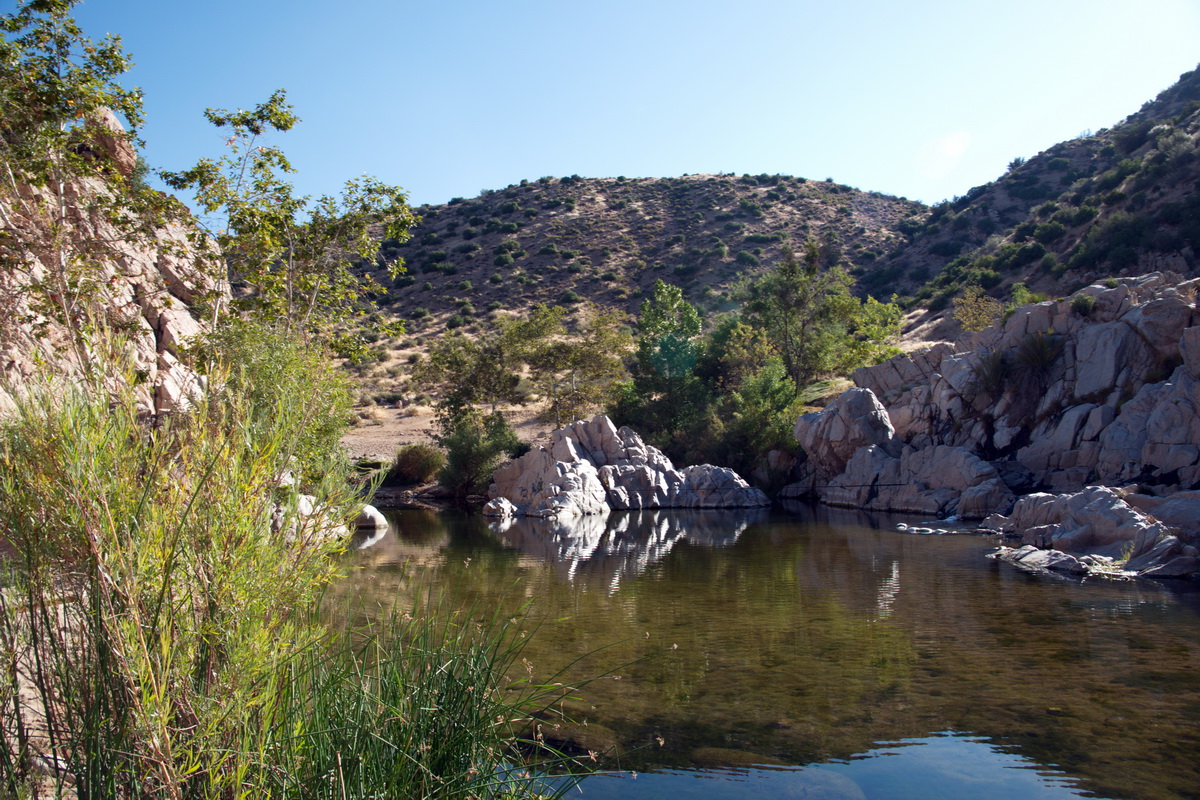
(1099, 389)
(140, 287)
(591, 467)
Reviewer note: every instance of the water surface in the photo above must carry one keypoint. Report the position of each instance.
(817, 653)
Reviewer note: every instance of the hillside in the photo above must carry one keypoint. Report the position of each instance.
(558, 240)
(1122, 201)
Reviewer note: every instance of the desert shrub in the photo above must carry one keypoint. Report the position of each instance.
(946, 248)
(991, 372)
(503, 260)
(1036, 355)
(974, 310)
(456, 321)
(465, 286)
(415, 464)
(570, 297)
(1048, 232)
(1083, 304)
(747, 258)
(474, 449)
(495, 277)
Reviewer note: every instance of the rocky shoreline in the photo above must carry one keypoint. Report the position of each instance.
(1074, 424)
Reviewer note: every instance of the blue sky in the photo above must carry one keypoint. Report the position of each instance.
(923, 99)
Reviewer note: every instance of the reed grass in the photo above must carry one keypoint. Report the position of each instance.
(158, 635)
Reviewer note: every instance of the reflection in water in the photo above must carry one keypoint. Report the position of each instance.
(804, 639)
(602, 550)
(945, 765)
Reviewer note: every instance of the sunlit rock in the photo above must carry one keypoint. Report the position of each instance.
(590, 467)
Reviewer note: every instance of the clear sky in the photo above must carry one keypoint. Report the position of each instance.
(924, 98)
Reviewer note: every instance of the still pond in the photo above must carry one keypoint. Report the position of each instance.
(813, 653)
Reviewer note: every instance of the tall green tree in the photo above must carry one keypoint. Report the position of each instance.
(814, 322)
(668, 331)
(298, 256)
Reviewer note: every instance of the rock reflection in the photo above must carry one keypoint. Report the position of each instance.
(604, 550)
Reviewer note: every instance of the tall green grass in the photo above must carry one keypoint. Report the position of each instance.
(158, 635)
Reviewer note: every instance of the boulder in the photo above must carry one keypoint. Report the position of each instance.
(370, 520)
(932, 481)
(1106, 356)
(1095, 520)
(591, 467)
(831, 436)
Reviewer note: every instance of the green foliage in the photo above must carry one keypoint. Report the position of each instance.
(815, 325)
(297, 255)
(475, 447)
(574, 373)
(1083, 304)
(1048, 232)
(667, 329)
(155, 582)
(1020, 295)
(974, 310)
(419, 709)
(267, 369)
(991, 372)
(415, 464)
(1036, 355)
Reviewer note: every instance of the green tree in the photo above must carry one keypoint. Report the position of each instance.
(468, 372)
(577, 373)
(668, 327)
(815, 324)
(667, 402)
(298, 256)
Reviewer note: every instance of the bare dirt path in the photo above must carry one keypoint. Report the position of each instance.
(387, 429)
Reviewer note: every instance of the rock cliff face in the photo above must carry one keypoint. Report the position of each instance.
(1102, 388)
(140, 287)
(591, 468)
